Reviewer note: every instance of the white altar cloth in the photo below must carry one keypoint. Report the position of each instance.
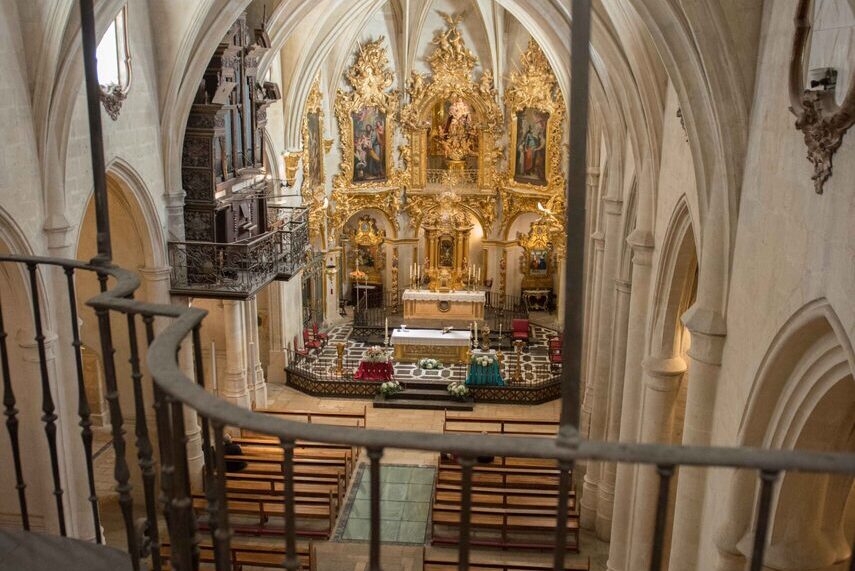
(427, 295)
(454, 338)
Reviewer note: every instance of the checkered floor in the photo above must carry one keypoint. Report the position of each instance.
(535, 360)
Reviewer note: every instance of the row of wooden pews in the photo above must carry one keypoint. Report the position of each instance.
(514, 500)
(442, 560)
(255, 493)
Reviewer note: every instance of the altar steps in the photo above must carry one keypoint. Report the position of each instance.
(424, 396)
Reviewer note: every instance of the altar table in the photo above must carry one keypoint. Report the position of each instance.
(490, 375)
(414, 344)
(463, 306)
(369, 371)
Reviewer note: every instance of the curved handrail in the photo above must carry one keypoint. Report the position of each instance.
(165, 370)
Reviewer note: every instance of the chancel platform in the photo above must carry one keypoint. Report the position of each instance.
(414, 344)
(462, 306)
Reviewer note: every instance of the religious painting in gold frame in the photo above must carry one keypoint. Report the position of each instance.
(312, 189)
(530, 146)
(365, 117)
(369, 145)
(536, 115)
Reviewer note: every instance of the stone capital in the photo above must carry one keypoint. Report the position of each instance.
(613, 206)
(663, 374)
(160, 273)
(623, 286)
(709, 331)
(598, 237)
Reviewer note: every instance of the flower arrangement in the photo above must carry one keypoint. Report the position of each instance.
(358, 275)
(390, 388)
(376, 354)
(458, 390)
(482, 360)
(429, 364)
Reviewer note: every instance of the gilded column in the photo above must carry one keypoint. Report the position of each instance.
(641, 243)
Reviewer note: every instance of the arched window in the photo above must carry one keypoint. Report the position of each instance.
(114, 64)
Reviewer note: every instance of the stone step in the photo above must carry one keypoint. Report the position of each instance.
(404, 403)
(412, 393)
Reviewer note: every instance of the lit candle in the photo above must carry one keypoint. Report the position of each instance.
(387, 328)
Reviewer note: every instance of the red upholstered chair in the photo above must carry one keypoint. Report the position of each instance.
(322, 337)
(297, 351)
(309, 343)
(555, 359)
(519, 328)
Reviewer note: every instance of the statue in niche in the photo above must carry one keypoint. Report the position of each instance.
(446, 253)
(455, 138)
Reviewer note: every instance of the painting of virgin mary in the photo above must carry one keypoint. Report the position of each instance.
(530, 164)
(316, 153)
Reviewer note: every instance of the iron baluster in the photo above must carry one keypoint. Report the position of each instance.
(12, 424)
(764, 507)
(574, 265)
(374, 455)
(145, 452)
(466, 463)
(121, 472)
(207, 450)
(665, 472)
(221, 534)
(49, 417)
(561, 519)
(187, 557)
(83, 410)
(291, 561)
(164, 440)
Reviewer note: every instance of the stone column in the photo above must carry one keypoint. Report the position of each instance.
(605, 504)
(598, 376)
(278, 338)
(642, 254)
(257, 384)
(708, 334)
(661, 381)
(235, 389)
(598, 240)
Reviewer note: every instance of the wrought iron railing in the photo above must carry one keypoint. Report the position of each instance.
(173, 390)
(238, 269)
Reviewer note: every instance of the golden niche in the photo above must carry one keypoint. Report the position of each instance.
(452, 121)
(537, 263)
(447, 228)
(367, 255)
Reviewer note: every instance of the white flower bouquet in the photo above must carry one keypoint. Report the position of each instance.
(429, 364)
(458, 390)
(390, 388)
(482, 360)
(376, 354)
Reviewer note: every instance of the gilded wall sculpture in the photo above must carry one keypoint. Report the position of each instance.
(365, 115)
(312, 190)
(536, 110)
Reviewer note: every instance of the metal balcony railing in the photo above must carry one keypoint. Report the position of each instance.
(168, 513)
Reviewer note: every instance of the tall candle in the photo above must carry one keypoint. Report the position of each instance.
(387, 328)
(476, 333)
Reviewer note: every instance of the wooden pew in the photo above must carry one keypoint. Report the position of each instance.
(354, 417)
(465, 423)
(507, 523)
(268, 556)
(436, 560)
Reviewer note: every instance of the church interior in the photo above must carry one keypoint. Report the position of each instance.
(427, 285)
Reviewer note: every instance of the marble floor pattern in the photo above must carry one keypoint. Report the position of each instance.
(534, 362)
